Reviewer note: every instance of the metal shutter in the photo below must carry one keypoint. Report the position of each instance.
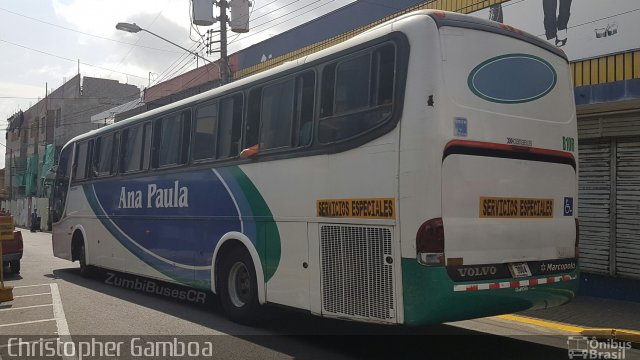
(627, 245)
(594, 197)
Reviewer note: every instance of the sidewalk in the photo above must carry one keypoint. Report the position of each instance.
(588, 317)
(592, 312)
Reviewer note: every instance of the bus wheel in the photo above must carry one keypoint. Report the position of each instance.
(82, 259)
(238, 287)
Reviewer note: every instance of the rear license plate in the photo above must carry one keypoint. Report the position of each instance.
(519, 270)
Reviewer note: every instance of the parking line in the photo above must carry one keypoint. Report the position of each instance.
(21, 296)
(58, 311)
(26, 307)
(26, 322)
(28, 286)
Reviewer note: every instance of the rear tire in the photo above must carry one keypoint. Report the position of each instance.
(82, 259)
(238, 287)
(14, 267)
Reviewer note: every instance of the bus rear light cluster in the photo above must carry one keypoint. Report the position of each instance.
(430, 243)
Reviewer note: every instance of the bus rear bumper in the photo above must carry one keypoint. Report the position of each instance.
(431, 297)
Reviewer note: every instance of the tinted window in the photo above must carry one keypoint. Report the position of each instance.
(131, 153)
(276, 115)
(252, 126)
(146, 146)
(357, 94)
(305, 99)
(114, 153)
(172, 137)
(204, 141)
(352, 84)
(82, 157)
(103, 155)
(229, 127)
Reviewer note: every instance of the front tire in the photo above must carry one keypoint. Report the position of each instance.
(238, 287)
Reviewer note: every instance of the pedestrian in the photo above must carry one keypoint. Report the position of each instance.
(34, 220)
(556, 20)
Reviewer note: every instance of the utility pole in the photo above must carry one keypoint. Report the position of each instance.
(224, 68)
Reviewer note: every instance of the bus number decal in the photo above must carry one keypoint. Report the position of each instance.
(382, 208)
(496, 207)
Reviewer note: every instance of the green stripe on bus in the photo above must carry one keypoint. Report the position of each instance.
(268, 237)
(429, 297)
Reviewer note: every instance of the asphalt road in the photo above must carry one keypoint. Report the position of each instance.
(53, 300)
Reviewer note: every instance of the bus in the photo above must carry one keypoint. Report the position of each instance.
(421, 172)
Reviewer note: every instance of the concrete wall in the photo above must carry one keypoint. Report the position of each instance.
(21, 211)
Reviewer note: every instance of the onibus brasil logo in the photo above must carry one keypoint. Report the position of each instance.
(581, 347)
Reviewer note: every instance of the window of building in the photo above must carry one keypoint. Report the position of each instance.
(357, 94)
(206, 126)
(172, 139)
(230, 125)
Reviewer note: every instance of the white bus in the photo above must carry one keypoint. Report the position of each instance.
(421, 172)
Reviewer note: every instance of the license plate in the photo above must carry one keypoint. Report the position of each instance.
(519, 270)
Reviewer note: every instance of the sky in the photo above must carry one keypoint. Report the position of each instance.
(41, 42)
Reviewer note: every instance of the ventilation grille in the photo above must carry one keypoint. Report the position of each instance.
(357, 271)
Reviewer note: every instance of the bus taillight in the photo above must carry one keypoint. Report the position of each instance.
(577, 244)
(430, 243)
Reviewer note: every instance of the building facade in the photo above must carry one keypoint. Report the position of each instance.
(35, 136)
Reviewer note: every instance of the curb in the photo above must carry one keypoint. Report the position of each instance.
(600, 333)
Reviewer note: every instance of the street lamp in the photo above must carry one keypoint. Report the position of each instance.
(133, 28)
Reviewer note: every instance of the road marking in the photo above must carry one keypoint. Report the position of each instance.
(28, 286)
(543, 323)
(58, 311)
(26, 307)
(40, 294)
(620, 334)
(26, 322)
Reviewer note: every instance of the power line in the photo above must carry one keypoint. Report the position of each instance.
(281, 16)
(84, 33)
(68, 59)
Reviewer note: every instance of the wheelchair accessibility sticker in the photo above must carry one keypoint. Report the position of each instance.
(568, 206)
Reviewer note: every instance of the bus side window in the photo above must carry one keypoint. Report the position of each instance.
(172, 134)
(114, 153)
(252, 125)
(103, 158)
(131, 149)
(304, 102)
(276, 115)
(229, 127)
(357, 94)
(206, 126)
(81, 161)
